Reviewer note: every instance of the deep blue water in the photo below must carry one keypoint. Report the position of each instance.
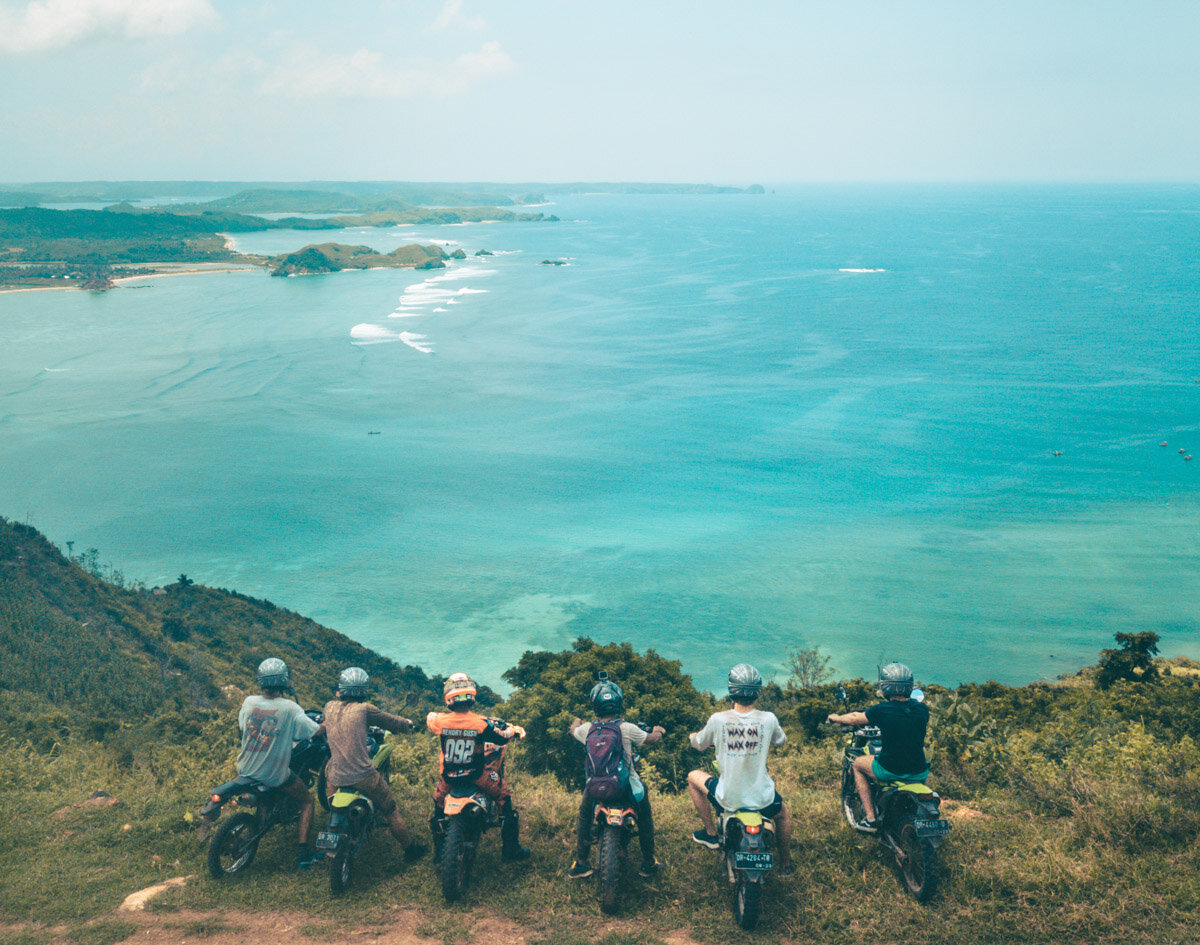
(699, 435)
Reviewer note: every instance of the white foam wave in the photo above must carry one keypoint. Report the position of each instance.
(461, 272)
(55, 370)
(413, 340)
(441, 309)
(862, 270)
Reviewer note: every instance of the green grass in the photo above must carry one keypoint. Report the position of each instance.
(103, 932)
(203, 928)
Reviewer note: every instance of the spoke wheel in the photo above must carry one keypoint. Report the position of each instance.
(918, 863)
(610, 870)
(233, 845)
(454, 865)
(852, 806)
(747, 900)
(341, 867)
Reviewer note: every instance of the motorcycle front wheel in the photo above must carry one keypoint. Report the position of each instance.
(918, 863)
(233, 845)
(454, 864)
(747, 900)
(610, 870)
(852, 806)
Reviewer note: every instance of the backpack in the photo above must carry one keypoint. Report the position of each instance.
(605, 767)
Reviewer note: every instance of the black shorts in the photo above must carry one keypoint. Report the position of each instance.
(771, 811)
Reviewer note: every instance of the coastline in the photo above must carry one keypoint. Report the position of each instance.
(183, 269)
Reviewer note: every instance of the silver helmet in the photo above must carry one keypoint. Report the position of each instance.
(895, 679)
(353, 683)
(744, 681)
(273, 674)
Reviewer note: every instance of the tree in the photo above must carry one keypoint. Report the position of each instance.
(553, 688)
(185, 581)
(809, 668)
(1133, 661)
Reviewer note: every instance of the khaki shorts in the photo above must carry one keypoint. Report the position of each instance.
(374, 787)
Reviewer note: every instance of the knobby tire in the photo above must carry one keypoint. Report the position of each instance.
(610, 870)
(341, 867)
(747, 901)
(454, 865)
(852, 806)
(919, 868)
(230, 851)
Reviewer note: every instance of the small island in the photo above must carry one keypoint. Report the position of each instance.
(334, 257)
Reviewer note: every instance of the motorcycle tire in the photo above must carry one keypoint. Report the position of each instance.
(747, 901)
(233, 845)
(322, 789)
(918, 865)
(610, 870)
(852, 807)
(454, 865)
(341, 867)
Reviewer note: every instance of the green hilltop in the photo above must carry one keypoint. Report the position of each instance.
(1075, 805)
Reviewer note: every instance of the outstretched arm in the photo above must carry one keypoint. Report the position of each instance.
(849, 718)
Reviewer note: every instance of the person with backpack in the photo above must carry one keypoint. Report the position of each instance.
(611, 775)
(742, 737)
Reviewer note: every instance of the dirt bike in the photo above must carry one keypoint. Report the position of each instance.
(352, 815)
(613, 824)
(908, 814)
(235, 841)
(468, 813)
(746, 837)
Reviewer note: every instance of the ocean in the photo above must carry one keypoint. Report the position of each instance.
(920, 423)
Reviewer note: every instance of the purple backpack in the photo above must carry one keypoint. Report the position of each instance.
(605, 767)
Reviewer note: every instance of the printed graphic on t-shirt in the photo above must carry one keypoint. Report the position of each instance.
(742, 739)
(261, 728)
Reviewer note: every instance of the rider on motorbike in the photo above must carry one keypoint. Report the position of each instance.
(901, 722)
(742, 737)
(471, 754)
(270, 725)
(346, 721)
(608, 700)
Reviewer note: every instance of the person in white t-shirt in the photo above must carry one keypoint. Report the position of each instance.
(742, 737)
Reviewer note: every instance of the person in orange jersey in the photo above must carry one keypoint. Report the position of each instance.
(473, 754)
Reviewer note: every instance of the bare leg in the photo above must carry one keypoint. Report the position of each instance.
(399, 830)
(303, 797)
(862, 780)
(699, 794)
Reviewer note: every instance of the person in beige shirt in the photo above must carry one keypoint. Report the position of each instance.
(346, 721)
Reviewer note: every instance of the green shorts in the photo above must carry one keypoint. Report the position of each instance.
(882, 774)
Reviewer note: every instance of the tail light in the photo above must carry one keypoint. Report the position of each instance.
(215, 798)
(755, 828)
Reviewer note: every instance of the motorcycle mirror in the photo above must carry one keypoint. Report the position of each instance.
(917, 695)
(410, 699)
(840, 693)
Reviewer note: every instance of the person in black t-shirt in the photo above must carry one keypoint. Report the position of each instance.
(901, 722)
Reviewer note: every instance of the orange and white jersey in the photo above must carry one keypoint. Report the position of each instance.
(466, 738)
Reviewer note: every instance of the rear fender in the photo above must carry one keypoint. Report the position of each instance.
(475, 803)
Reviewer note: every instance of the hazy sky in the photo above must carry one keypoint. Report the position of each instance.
(546, 90)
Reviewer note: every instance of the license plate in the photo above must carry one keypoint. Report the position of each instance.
(753, 861)
(327, 840)
(932, 828)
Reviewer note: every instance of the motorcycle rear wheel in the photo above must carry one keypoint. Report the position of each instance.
(610, 870)
(919, 866)
(747, 901)
(341, 867)
(233, 845)
(454, 865)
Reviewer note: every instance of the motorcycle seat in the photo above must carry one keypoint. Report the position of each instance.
(344, 797)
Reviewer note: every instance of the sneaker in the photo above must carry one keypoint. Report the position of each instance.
(515, 855)
(580, 869)
(414, 851)
(307, 858)
(651, 868)
(785, 870)
(706, 839)
(867, 825)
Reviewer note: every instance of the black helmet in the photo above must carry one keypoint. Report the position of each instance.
(607, 697)
(353, 683)
(745, 682)
(895, 679)
(273, 674)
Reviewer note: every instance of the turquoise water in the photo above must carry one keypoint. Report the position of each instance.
(699, 435)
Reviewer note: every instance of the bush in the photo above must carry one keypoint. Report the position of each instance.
(553, 689)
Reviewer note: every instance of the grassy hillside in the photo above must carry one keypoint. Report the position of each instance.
(1076, 810)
